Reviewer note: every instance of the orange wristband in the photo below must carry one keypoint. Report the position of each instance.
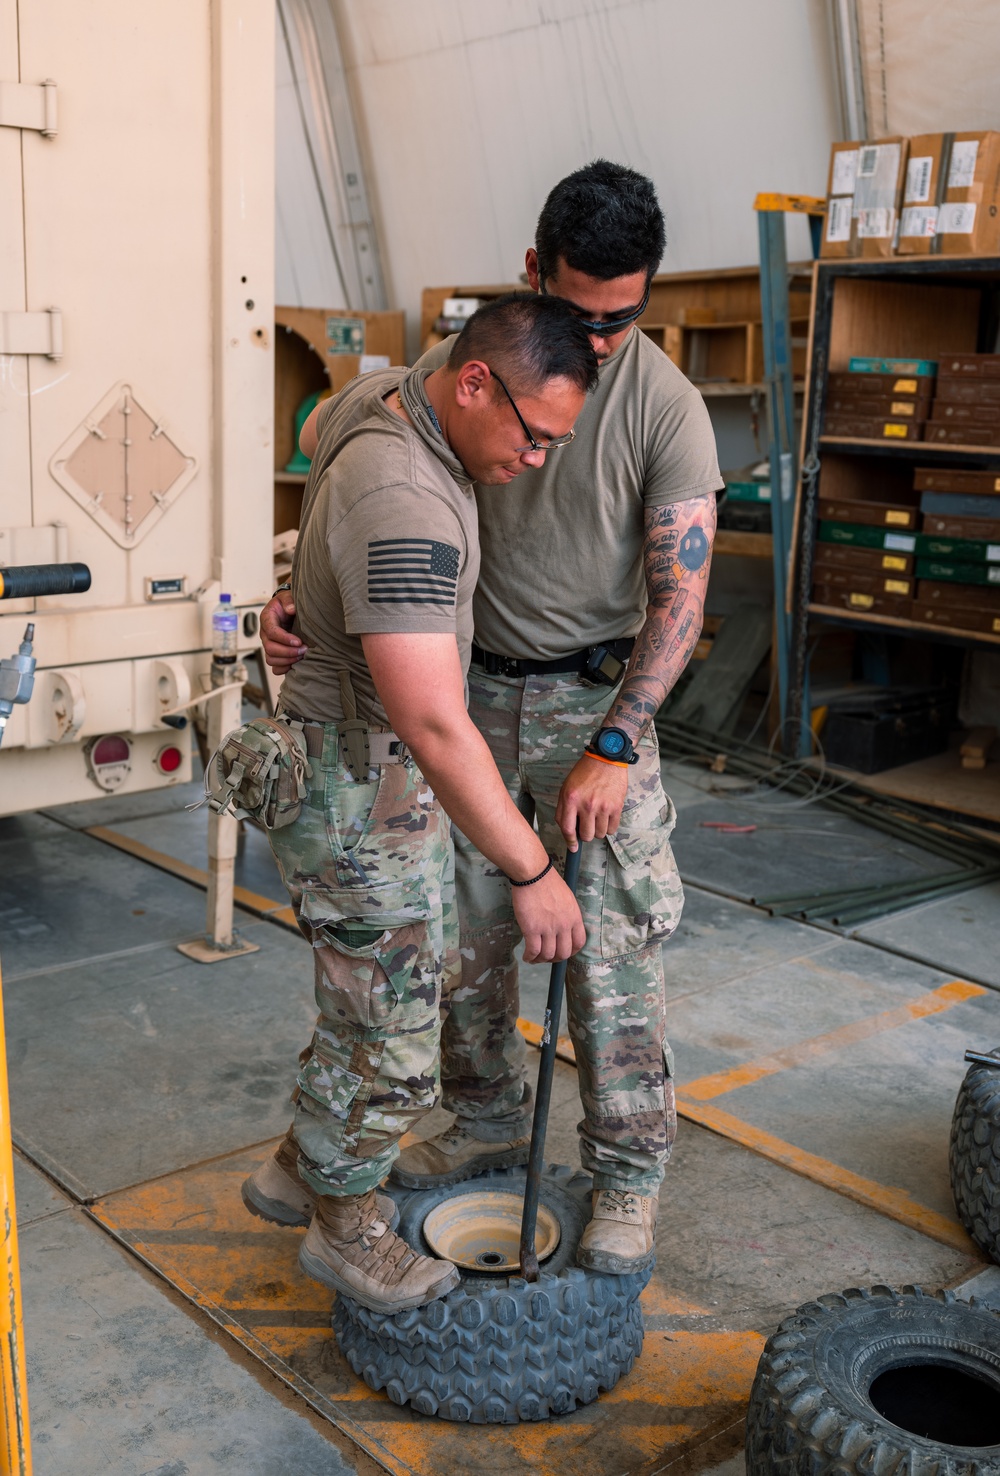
(615, 763)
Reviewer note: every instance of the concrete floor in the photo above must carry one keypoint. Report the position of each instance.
(168, 1333)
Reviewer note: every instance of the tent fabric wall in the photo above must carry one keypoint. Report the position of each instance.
(469, 113)
(928, 66)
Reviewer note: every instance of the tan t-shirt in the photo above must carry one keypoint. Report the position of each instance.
(561, 546)
(388, 542)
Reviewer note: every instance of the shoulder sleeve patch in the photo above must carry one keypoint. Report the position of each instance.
(412, 571)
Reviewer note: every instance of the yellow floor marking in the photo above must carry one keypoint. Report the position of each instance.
(252, 901)
(896, 1204)
(707, 1087)
(533, 1035)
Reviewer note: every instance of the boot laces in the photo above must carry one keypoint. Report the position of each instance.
(619, 1199)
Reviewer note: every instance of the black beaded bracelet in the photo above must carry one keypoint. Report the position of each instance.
(533, 879)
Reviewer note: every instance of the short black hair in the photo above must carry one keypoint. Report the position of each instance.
(604, 220)
(528, 340)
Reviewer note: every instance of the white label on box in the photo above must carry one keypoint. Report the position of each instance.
(373, 361)
(919, 220)
(838, 219)
(993, 553)
(918, 180)
(877, 186)
(875, 223)
(460, 307)
(845, 169)
(903, 543)
(993, 576)
(868, 162)
(956, 220)
(963, 164)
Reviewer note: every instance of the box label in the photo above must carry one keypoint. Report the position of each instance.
(993, 575)
(996, 624)
(901, 542)
(875, 223)
(894, 431)
(993, 553)
(889, 561)
(956, 220)
(903, 407)
(845, 168)
(860, 601)
(900, 519)
(345, 335)
(838, 219)
(918, 220)
(905, 387)
(897, 586)
(918, 181)
(963, 163)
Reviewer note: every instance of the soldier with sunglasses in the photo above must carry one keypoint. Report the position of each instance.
(589, 604)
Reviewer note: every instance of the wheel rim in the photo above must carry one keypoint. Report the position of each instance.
(482, 1231)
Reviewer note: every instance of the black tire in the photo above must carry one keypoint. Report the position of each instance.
(879, 1383)
(974, 1156)
(498, 1350)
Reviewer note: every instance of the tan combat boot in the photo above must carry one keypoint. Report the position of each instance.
(350, 1248)
(621, 1235)
(453, 1156)
(277, 1192)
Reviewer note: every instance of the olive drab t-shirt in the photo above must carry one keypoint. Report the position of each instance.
(388, 543)
(561, 546)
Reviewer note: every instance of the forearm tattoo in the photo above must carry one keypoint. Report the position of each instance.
(677, 557)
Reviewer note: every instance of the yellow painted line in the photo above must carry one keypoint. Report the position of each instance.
(938, 1000)
(278, 912)
(533, 1035)
(896, 1204)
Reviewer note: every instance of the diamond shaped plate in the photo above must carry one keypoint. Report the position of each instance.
(122, 467)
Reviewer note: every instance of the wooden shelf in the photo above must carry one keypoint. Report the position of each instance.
(711, 388)
(898, 622)
(908, 448)
(939, 781)
(749, 545)
(292, 479)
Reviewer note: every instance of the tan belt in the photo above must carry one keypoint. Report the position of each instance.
(359, 747)
(384, 747)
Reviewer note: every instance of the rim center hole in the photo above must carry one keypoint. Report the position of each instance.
(940, 1401)
(490, 1258)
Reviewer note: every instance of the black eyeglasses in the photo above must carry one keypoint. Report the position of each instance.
(605, 326)
(557, 442)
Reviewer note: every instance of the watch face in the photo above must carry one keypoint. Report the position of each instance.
(612, 743)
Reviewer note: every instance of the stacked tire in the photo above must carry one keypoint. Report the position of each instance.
(498, 1350)
(974, 1155)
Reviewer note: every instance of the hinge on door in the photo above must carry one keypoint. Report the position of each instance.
(29, 105)
(32, 333)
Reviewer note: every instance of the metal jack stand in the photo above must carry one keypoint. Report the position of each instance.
(17, 678)
(221, 941)
(776, 332)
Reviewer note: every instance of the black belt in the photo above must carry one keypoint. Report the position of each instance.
(576, 661)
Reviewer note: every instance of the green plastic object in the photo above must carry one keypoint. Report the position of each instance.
(961, 550)
(748, 491)
(300, 463)
(860, 535)
(917, 368)
(958, 573)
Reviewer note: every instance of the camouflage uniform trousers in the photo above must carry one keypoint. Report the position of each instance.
(367, 866)
(631, 897)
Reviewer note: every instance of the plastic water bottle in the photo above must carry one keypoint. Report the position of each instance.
(224, 632)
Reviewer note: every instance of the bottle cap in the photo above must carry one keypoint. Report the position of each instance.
(224, 599)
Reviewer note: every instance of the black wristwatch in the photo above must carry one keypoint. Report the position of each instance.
(613, 744)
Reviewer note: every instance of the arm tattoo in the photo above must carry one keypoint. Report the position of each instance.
(677, 556)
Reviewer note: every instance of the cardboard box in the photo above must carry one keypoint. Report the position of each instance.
(966, 434)
(964, 366)
(957, 596)
(883, 407)
(963, 391)
(951, 196)
(874, 514)
(836, 556)
(885, 386)
(912, 368)
(952, 571)
(945, 412)
(858, 536)
(951, 479)
(964, 550)
(987, 529)
(867, 428)
(865, 582)
(958, 617)
(864, 194)
(862, 601)
(959, 505)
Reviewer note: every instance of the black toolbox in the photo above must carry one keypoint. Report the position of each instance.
(896, 726)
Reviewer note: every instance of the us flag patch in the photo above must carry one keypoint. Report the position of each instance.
(412, 571)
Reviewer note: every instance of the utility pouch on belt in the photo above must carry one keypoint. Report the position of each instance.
(259, 771)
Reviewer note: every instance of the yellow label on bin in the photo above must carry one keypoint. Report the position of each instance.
(903, 407)
(904, 387)
(861, 601)
(899, 519)
(895, 430)
(897, 587)
(892, 561)
(996, 624)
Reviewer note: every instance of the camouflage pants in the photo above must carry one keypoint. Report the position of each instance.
(367, 866)
(631, 898)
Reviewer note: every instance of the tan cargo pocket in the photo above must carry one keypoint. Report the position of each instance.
(364, 985)
(643, 896)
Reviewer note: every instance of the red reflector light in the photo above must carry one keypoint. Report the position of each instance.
(169, 759)
(114, 749)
